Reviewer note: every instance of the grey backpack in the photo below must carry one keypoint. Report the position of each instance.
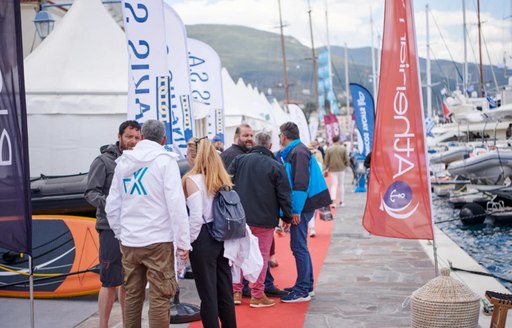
(228, 216)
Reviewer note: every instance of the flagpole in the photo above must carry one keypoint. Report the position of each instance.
(313, 58)
(31, 290)
(283, 50)
(346, 80)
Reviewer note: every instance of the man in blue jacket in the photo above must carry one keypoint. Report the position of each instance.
(309, 192)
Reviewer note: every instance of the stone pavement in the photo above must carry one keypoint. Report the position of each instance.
(365, 281)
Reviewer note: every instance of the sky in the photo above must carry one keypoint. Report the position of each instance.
(349, 22)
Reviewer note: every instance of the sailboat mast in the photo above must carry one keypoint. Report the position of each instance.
(327, 31)
(429, 75)
(466, 75)
(374, 70)
(283, 50)
(347, 84)
(482, 89)
(313, 58)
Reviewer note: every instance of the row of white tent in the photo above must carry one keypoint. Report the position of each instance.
(76, 85)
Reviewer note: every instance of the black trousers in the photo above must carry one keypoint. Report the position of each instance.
(212, 275)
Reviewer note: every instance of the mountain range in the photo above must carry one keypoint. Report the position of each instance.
(256, 57)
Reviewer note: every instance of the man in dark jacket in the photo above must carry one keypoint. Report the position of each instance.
(98, 186)
(309, 192)
(263, 187)
(243, 142)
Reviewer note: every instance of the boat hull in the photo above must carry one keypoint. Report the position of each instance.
(63, 246)
(492, 167)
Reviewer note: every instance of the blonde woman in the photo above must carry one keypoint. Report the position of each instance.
(212, 273)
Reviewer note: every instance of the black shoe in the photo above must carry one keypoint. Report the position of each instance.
(246, 292)
(274, 291)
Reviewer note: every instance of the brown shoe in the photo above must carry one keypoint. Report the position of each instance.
(262, 302)
(237, 296)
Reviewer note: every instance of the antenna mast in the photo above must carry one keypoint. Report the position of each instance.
(482, 88)
(283, 50)
(313, 58)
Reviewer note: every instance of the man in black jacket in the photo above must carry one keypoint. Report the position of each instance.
(98, 186)
(264, 190)
(243, 142)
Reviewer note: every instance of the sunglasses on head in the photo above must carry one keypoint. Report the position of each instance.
(197, 141)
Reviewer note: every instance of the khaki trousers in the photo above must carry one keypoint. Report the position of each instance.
(153, 263)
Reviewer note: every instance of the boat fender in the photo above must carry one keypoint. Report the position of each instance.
(472, 214)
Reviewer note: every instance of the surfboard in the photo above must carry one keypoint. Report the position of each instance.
(65, 259)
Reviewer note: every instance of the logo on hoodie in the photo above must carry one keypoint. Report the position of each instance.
(134, 185)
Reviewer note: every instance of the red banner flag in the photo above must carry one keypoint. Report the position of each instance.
(399, 203)
(446, 112)
(328, 129)
(335, 126)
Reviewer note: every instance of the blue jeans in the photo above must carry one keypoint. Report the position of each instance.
(299, 246)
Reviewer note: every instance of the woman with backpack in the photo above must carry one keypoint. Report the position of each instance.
(212, 273)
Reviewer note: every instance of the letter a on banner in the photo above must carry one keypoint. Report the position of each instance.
(206, 82)
(15, 213)
(399, 202)
(149, 95)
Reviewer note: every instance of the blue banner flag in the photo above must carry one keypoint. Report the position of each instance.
(325, 89)
(364, 115)
(15, 212)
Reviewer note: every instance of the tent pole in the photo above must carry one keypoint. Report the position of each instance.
(31, 284)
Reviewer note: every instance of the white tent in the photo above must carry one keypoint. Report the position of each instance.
(76, 84)
(297, 116)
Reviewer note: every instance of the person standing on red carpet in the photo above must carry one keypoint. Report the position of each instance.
(243, 142)
(309, 192)
(212, 273)
(99, 180)
(146, 209)
(264, 189)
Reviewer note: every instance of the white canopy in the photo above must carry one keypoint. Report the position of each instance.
(77, 73)
(76, 85)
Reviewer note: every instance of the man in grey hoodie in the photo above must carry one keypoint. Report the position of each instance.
(98, 186)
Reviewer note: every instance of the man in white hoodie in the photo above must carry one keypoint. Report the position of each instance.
(146, 209)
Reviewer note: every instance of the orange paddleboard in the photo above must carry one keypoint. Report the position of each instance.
(65, 259)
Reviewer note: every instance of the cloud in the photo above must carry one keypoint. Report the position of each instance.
(349, 22)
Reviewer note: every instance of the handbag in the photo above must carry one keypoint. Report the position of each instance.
(325, 213)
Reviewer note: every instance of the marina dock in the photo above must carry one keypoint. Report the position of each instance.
(365, 281)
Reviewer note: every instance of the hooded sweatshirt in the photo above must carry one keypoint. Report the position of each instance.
(146, 204)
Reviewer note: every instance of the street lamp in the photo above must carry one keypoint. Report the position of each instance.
(44, 23)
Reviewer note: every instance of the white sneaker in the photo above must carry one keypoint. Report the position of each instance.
(312, 232)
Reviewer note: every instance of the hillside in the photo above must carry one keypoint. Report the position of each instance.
(255, 56)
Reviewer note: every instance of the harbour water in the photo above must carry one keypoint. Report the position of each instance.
(488, 244)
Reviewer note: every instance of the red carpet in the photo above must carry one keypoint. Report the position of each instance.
(288, 314)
